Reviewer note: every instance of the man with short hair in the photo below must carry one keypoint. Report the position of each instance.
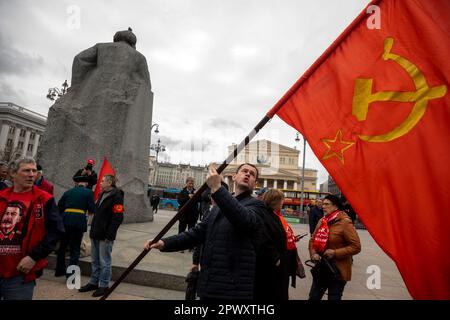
(75, 205)
(107, 219)
(228, 235)
(189, 218)
(155, 202)
(315, 214)
(31, 227)
(41, 183)
(4, 176)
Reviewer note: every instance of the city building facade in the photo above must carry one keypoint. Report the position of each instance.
(324, 186)
(332, 187)
(169, 175)
(20, 131)
(277, 165)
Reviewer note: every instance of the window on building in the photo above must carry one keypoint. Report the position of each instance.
(30, 147)
(12, 129)
(20, 145)
(9, 142)
(32, 135)
(22, 132)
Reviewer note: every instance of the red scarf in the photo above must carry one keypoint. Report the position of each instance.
(322, 233)
(290, 237)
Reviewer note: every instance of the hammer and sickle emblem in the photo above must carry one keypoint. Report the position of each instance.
(363, 96)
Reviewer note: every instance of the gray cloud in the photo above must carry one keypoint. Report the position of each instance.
(12, 61)
(192, 144)
(9, 94)
(167, 141)
(223, 123)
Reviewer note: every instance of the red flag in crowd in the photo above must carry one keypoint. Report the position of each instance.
(106, 169)
(375, 109)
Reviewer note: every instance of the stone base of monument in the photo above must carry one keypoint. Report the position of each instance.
(137, 208)
(137, 276)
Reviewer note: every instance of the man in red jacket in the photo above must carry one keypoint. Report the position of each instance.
(30, 228)
(41, 183)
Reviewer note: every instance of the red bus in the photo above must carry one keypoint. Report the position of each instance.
(292, 204)
(293, 197)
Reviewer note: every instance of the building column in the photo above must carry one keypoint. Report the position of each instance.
(25, 143)
(15, 139)
(35, 145)
(295, 186)
(4, 136)
(275, 183)
(231, 183)
(265, 183)
(285, 184)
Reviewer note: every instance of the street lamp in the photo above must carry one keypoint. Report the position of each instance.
(302, 197)
(156, 130)
(55, 93)
(158, 148)
(156, 164)
(157, 127)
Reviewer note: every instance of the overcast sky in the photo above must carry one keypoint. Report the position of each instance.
(216, 66)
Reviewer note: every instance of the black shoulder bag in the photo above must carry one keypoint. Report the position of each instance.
(324, 272)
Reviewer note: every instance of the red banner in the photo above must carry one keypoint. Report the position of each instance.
(375, 109)
(106, 169)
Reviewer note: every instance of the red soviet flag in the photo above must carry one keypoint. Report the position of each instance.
(375, 109)
(106, 169)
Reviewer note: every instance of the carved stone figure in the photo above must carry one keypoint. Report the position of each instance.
(107, 112)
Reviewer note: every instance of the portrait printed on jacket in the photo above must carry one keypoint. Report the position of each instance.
(11, 227)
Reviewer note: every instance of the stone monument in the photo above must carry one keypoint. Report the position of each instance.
(107, 112)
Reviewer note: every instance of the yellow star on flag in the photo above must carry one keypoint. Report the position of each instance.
(336, 147)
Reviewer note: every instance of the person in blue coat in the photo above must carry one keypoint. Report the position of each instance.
(74, 206)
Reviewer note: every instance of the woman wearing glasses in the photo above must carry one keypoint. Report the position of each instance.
(335, 239)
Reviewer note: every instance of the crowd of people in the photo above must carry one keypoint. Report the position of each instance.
(33, 225)
(243, 248)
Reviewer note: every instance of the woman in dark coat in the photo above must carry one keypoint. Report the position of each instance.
(272, 248)
(289, 260)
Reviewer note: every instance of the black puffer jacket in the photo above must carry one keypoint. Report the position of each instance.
(108, 216)
(230, 236)
(272, 247)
